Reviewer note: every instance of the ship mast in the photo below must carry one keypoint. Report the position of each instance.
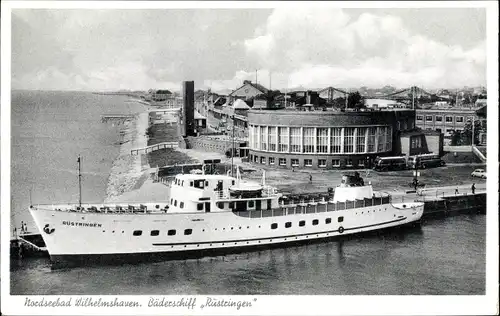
(232, 151)
(79, 182)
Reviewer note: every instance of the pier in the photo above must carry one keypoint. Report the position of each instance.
(27, 245)
(152, 148)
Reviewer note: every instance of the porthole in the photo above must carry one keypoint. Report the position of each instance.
(137, 233)
(328, 220)
(274, 225)
(232, 228)
(302, 223)
(315, 222)
(288, 224)
(340, 219)
(203, 230)
(188, 231)
(155, 233)
(171, 232)
(157, 206)
(113, 231)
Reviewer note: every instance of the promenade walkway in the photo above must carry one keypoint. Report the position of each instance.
(154, 147)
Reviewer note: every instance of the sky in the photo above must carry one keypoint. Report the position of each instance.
(310, 47)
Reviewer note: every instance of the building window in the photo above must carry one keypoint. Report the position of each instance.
(188, 231)
(282, 161)
(295, 139)
(322, 140)
(348, 163)
(428, 118)
(420, 117)
(439, 118)
(283, 139)
(181, 205)
(302, 223)
(308, 139)
(336, 140)
(308, 162)
(315, 222)
(155, 232)
(250, 204)
(470, 118)
(449, 119)
(416, 142)
(255, 137)
(388, 138)
(263, 160)
(322, 163)
(274, 225)
(459, 119)
(336, 162)
(372, 134)
(171, 232)
(381, 139)
(295, 162)
(288, 224)
(328, 220)
(271, 160)
(361, 163)
(341, 219)
(349, 140)
(137, 233)
(272, 138)
(263, 137)
(360, 139)
(256, 159)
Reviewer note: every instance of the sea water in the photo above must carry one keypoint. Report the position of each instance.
(50, 129)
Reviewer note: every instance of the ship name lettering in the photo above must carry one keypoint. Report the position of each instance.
(183, 302)
(215, 302)
(79, 224)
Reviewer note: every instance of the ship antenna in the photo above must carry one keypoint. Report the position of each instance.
(79, 182)
(232, 151)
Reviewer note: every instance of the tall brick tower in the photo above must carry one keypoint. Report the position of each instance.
(188, 108)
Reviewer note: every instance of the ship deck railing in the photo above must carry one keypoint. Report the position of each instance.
(104, 208)
(267, 191)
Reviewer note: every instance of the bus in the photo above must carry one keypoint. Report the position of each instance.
(389, 163)
(425, 161)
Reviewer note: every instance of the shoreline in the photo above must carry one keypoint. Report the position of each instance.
(127, 170)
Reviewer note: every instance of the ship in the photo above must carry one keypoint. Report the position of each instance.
(212, 215)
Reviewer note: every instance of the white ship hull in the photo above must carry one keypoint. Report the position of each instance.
(87, 238)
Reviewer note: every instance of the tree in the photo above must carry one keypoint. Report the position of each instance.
(464, 138)
(355, 101)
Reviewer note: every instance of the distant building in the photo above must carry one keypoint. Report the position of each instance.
(480, 102)
(446, 121)
(160, 95)
(248, 90)
(383, 104)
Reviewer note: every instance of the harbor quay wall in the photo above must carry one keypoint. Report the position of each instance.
(213, 144)
(451, 205)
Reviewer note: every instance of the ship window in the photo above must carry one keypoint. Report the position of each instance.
(220, 205)
(200, 207)
(274, 225)
(231, 205)
(315, 222)
(328, 220)
(191, 183)
(188, 231)
(302, 223)
(181, 205)
(341, 219)
(157, 206)
(288, 224)
(171, 232)
(250, 204)
(175, 203)
(233, 182)
(137, 232)
(171, 200)
(206, 183)
(155, 232)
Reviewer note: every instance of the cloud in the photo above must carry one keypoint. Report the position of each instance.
(321, 47)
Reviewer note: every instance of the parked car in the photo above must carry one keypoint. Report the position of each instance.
(480, 173)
